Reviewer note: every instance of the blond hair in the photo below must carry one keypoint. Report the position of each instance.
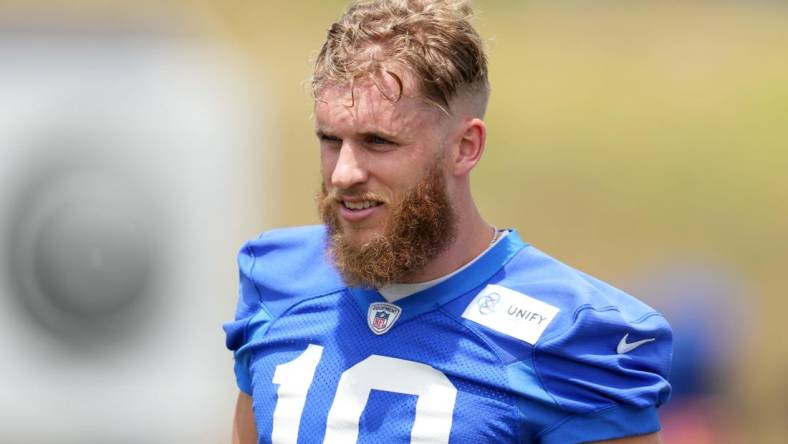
(432, 39)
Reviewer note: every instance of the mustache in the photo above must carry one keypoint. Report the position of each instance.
(330, 197)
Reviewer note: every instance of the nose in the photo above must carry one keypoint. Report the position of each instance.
(349, 169)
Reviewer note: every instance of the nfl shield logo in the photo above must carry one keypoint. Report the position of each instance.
(382, 316)
(381, 320)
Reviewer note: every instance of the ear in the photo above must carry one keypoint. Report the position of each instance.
(470, 146)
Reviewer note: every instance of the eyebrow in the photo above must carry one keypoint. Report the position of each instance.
(382, 134)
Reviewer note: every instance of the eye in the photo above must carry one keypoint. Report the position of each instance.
(379, 143)
(377, 140)
(328, 139)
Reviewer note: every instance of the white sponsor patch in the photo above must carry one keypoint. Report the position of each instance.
(511, 313)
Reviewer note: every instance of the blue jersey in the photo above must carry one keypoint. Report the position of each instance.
(516, 348)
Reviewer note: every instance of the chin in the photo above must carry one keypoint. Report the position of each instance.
(359, 236)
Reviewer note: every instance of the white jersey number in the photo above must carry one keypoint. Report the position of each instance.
(434, 407)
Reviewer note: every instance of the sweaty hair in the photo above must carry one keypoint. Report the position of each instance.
(433, 39)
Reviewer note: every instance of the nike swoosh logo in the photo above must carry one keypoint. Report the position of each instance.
(626, 347)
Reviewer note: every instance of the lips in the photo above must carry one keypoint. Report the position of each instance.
(360, 205)
(358, 210)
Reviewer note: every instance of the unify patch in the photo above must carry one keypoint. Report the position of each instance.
(511, 313)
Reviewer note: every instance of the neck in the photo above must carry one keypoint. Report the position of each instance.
(473, 237)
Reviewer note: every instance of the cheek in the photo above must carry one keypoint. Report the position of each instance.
(411, 171)
(328, 161)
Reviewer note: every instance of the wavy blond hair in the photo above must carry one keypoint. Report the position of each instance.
(432, 39)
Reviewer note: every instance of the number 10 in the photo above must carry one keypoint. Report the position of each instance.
(434, 407)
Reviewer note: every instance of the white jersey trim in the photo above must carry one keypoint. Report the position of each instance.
(395, 292)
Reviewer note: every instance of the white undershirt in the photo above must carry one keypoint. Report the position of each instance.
(395, 292)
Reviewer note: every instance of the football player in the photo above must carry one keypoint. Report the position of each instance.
(406, 317)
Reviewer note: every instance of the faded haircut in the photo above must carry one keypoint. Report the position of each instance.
(432, 39)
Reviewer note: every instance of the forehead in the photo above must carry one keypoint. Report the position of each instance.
(371, 107)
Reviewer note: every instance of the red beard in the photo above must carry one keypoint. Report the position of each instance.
(421, 226)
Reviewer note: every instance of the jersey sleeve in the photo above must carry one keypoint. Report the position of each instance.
(605, 375)
(250, 315)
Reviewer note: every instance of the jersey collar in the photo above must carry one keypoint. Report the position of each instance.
(475, 276)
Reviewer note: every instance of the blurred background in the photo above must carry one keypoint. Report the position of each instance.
(643, 142)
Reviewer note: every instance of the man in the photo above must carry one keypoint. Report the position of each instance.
(406, 317)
